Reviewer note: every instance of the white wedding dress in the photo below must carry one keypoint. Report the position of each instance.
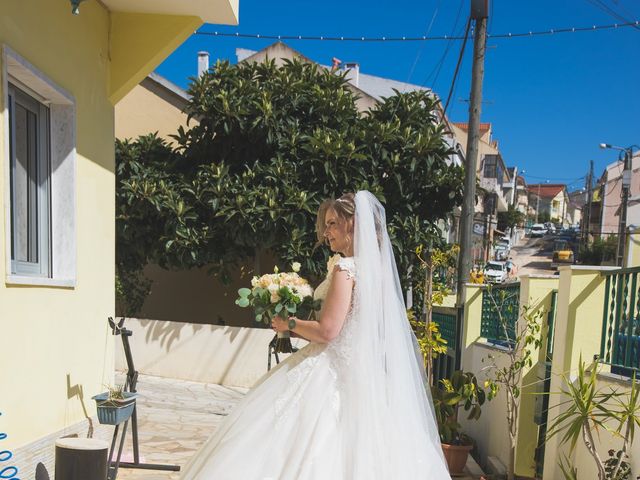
(318, 416)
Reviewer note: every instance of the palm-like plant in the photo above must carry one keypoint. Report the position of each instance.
(588, 409)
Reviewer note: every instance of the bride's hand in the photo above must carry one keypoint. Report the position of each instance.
(279, 324)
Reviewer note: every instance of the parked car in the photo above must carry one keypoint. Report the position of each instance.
(538, 230)
(501, 252)
(495, 272)
(504, 241)
(551, 228)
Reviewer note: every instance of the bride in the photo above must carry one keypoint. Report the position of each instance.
(351, 405)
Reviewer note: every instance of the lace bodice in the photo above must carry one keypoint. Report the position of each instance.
(344, 263)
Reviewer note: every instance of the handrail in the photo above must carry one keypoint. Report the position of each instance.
(620, 271)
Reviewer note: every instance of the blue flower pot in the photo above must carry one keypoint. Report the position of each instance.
(115, 412)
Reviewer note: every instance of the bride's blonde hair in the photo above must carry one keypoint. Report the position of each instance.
(345, 208)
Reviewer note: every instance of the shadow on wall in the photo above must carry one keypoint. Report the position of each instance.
(166, 333)
(235, 356)
(78, 391)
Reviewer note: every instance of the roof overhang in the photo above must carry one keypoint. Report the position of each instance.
(209, 11)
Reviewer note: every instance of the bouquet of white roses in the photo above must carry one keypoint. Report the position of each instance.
(279, 293)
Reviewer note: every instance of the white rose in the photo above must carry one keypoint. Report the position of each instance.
(295, 266)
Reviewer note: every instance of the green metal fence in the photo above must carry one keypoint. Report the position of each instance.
(500, 301)
(620, 343)
(444, 365)
(447, 325)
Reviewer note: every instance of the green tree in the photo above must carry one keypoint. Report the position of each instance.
(511, 218)
(272, 142)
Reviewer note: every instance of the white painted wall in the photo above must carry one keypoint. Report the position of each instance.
(234, 356)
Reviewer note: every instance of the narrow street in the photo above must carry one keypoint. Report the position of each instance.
(532, 256)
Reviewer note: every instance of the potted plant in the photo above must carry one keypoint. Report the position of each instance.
(115, 405)
(461, 390)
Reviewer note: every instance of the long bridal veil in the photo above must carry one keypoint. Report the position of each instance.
(387, 414)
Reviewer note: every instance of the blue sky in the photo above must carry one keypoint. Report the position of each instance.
(551, 99)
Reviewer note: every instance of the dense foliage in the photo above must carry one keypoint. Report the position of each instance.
(509, 219)
(270, 143)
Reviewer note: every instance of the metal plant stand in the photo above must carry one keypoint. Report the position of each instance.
(130, 386)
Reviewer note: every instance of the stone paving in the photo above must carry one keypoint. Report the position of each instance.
(175, 418)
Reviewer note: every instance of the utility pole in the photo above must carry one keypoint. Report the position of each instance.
(626, 186)
(622, 227)
(537, 203)
(479, 13)
(586, 218)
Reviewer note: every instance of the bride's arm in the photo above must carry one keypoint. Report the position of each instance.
(334, 311)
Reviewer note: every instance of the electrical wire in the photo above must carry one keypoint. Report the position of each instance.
(457, 70)
(419, 54)
(608, 10)
(438, 66)
(553, 31)
(563, 179)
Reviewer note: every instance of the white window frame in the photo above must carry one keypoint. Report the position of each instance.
(61, 255)
(41, 268)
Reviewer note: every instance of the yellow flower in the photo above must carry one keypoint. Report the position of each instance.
(295, 266)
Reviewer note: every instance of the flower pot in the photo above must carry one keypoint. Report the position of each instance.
(115, 411)
(456, 457)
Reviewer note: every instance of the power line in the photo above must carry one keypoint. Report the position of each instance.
(438, 66)
(419, 54)
(562, 179)
(610, 11)
(593, 28)
(455, 73)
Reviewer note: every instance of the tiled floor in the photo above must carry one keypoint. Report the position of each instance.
(175, 418)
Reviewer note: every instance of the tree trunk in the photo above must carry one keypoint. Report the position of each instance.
(587, 437)
(627, 434)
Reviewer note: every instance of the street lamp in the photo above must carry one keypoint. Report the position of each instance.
(626, 186)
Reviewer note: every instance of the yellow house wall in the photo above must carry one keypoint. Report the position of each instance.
(491, 430)
(577, 334)
(56, 338)
(142, 112)
(536, 295)
(633, 249)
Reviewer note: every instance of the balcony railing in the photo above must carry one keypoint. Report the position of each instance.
(620, 344)
(500, 311)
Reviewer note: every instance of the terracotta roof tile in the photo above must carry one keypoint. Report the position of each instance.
(546, 190)
(484, 127)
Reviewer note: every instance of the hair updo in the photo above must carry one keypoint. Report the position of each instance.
(345, 208)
